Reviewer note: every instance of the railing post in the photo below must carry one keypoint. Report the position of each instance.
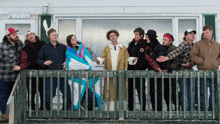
(23, 96)
(121, 96)
(218, 97)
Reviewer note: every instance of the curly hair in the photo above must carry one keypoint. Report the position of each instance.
(112, 31)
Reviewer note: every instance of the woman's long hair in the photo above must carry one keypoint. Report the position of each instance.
(68, 40)
(153, 41)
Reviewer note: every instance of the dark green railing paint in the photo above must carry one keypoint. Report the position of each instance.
(23, 114)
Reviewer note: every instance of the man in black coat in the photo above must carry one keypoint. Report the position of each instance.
(28, 61)
(136, 49)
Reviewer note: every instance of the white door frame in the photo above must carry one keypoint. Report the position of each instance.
(4, 22)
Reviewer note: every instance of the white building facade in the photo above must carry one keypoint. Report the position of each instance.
(90, 20)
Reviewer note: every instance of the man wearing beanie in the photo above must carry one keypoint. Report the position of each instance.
(28, 61)
(10, 52)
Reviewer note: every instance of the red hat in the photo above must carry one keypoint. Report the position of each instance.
(10, 31)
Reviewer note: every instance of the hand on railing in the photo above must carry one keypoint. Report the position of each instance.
(48, 62)
(160, 71)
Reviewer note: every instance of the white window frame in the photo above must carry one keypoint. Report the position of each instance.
(4, 22)
(174, 17)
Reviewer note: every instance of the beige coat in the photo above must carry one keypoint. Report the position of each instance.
(122, 63)
(206, 54)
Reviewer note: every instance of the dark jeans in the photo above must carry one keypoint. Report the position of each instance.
(54, 86)
(5, 90)
(159, 93)
(187, 90)
(33, 91)
(173, 92)
(138, 87)
(202, 93)
(90, 100)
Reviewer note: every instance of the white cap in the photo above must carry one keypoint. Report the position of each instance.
(30, 31)
(189, 31)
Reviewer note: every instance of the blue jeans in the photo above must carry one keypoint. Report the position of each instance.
(54, 83)
(187, 94)
(202, 93)
(5, 90)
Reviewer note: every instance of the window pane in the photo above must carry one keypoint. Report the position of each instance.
(66, 27)
(94, 31)
(185, 24)
(22, 29)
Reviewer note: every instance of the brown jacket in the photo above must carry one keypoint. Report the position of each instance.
(122, 61)
(206, 54)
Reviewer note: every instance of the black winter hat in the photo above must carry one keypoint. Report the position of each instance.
(151, 32)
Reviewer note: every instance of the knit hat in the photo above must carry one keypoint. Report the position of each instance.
(10, 31)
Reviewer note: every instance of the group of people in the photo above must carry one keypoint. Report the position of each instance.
(141, 54)
(148, 53)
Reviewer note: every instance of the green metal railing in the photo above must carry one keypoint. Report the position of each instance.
(23, 114)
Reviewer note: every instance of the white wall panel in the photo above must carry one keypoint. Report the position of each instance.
(173, 9)
(111, 3)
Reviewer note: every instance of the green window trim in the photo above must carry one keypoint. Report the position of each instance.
(42, 32)
(210, 19)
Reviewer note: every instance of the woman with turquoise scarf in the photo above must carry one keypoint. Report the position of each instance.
(78, 58)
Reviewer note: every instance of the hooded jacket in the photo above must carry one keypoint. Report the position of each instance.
(29, 55)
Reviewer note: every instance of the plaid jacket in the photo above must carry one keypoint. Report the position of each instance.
(9, 57)
(182, 51)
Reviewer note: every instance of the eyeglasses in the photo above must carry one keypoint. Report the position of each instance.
(112, 35)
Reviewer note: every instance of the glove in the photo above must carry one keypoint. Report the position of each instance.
(169, 69)
(148, 51)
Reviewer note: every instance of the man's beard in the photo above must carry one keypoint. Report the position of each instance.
(16, 40)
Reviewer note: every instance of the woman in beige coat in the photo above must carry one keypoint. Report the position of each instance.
(115, 57)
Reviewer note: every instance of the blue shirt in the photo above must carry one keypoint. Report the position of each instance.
(56, 54)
